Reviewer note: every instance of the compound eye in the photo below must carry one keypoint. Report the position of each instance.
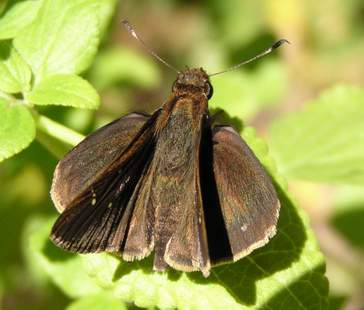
(209, 90)
(174, 86)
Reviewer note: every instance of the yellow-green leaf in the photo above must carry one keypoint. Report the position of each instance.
(66, 90)
(17, 129)
(62, 39)
(325, 141)
(19, 16)
(14, 71)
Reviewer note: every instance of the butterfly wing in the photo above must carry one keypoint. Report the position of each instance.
(98, 219)
(139, 241)
(90, 158)
(247, 198)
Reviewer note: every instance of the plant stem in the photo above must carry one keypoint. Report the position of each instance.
(5, 96)
(56, 130)
(55, 147)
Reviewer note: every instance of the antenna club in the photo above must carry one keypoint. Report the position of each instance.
(279, 43)
(260, 55)
(125, 23)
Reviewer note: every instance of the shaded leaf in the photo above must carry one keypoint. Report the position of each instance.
(230, 14)
(2, 8)
(120, 64)
(337, 302)
(288, 273)
(325, 141)
(66, 90)
(14, 71)
(348, 218)
(17, 129)
(62, 39)
(244, 94)
(19, 16)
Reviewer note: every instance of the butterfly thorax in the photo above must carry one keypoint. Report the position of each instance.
(190, 94)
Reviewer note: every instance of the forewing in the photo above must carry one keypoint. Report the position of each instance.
(247, 198)
(90, 158)
(99, 218)
(139, 241)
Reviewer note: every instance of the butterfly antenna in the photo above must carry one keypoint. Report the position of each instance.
(260, 55)
(132, 31)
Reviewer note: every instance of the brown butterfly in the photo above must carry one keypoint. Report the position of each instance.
(172, 183)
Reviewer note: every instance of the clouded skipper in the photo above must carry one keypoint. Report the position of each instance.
(171, 182)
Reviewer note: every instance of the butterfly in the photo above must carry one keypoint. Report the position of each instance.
(172, 183)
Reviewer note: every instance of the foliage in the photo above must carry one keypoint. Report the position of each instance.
(56, 54)
(17, 129)
(330, 132)
(290, 265)
(244, 94)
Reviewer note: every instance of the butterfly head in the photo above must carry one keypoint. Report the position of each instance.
(193, 80)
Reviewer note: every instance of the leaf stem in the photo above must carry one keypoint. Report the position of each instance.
(55, 147)
(56, 130)
(5, 96)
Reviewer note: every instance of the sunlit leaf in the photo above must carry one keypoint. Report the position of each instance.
(101, 301)
(17, 129)
(106, 10)
(67, 90)
(325, 141)
(43, 257)
(62, 39)
(14, 71)
(19, 16)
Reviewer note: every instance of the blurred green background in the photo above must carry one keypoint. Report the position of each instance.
(327, 49)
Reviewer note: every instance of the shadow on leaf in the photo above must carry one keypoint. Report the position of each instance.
(221, 117)
(240, 278)
(337, 302)
(55, 254)
(5, 48)
(295, 295)
(350, 224)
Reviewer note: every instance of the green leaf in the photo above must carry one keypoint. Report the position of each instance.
(120, 64)
(2, 8)
(101, 301)
(43, 256)
(244, 94)
(14, 71)
(19, 16)
(287, 273)
(106, 11)
(229, 14)
(66, 90)
(17, 129)
(348, 218)
(62, 39)
(325, 141)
